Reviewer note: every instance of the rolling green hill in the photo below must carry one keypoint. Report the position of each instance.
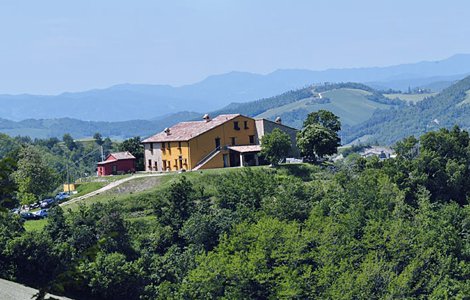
(354, 103)
(353, 106)
(446, 109)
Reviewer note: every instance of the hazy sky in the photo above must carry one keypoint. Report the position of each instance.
(50, 46)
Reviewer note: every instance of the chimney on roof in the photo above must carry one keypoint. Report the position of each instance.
(167, 131)
(206, 117)
(278, 120)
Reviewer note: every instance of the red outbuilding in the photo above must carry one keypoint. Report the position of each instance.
(117, 163)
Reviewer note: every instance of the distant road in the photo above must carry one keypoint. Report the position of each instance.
(110, 186)
(10, 290)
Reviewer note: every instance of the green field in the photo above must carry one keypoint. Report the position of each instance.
(413, 98)
(351, 105)
(35, 225)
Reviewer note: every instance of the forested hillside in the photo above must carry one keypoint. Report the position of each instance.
(448, 108)
(359, 229)
(64, 157)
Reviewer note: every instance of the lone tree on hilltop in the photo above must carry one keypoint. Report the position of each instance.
(275, 146)
(324, 118)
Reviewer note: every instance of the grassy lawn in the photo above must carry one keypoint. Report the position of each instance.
(35, 225)
(95, 183)
(112, 195)
(88, 187)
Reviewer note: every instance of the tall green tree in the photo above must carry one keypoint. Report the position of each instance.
(324, 118)
(35, 179)
(316, 141)
(7, 184)
(319, 136)
(135, 147)
(69, 142)
(275, 146)
(98, 139)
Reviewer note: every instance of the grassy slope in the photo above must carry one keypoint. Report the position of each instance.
(130, 194)
(351, 105)
(35, 225)
(137, 206)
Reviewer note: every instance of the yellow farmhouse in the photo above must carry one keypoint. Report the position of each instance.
(224, 141)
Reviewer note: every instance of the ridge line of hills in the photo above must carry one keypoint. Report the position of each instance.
(136, 101)
(292, 105)
(365, 113)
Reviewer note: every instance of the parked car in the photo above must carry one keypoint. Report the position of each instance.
(29, 216)
(62, 196)
(47, 203)
(34, 205)
(15, 210)
(43, 213)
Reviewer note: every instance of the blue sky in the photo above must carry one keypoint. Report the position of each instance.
(51, 46)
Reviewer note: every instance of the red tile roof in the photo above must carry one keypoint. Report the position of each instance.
(117, 156)
(185, 131)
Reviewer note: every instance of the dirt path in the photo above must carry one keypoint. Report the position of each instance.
(109, 187)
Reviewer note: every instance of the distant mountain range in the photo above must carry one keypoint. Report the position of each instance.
(134, 101)
(354, 103)
(46, 128)
(366, 114)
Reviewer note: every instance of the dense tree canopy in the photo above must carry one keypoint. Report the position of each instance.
(363, 229)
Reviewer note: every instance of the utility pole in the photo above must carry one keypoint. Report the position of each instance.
(102, 153)
(68, 176)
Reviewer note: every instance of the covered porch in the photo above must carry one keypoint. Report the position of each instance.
(244, 155)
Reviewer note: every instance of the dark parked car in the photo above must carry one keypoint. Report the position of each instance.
(29, 216)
